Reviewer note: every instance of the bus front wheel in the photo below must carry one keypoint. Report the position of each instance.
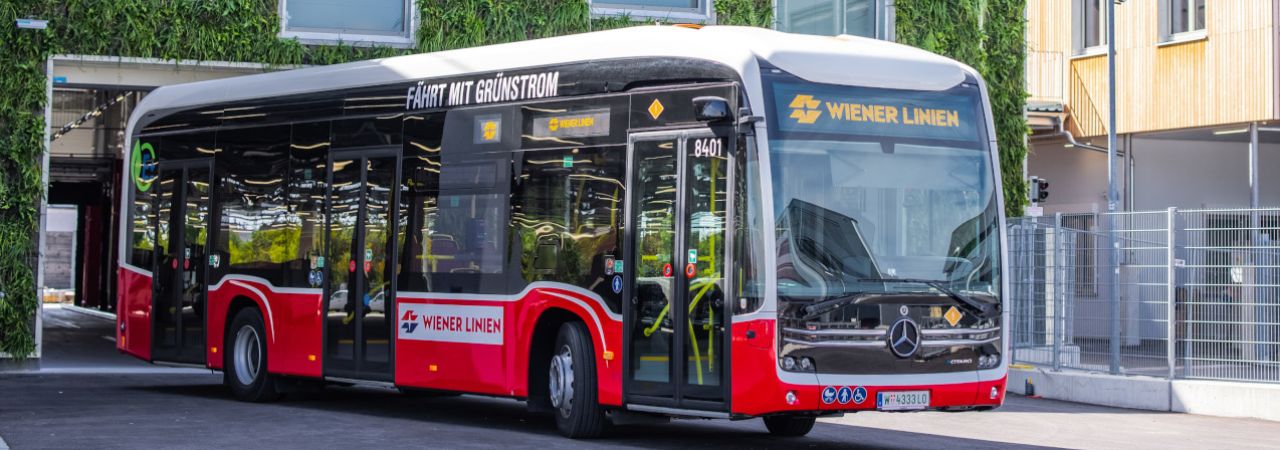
(572, 383)
(245, 363)
(789, 425)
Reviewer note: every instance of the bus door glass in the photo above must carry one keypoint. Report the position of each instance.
(679, 202)
(182, 196)
(357, 327)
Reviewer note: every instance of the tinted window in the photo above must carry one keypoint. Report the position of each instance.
(187, 146)
(748, 229)
(567, 209)
(142, 232)
(576, 123)
(258, 235)
(368, 131)
(468, 237)
(419, 201)
(305, 191)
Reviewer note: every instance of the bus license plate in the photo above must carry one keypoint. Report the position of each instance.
(902, 400)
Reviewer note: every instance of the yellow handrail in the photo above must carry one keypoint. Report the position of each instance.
(703, 287)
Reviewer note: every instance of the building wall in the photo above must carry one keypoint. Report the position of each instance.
(1228, 77)
(1077, 177)
(1201, 174)
(1186, 174)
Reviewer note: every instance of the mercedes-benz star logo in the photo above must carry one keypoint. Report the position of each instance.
(904, 338)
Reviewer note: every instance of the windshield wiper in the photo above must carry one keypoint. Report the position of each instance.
(824, 306)
(980, 308)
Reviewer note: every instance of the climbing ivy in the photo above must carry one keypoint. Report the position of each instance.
(989, 36)
(224, 30)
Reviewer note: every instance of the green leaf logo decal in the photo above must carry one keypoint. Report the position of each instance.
(143, 165)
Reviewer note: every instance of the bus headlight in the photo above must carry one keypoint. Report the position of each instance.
(798, 364)
(988, 361)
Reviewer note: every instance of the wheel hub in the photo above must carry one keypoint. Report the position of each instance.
(247, 354)
(561, 381)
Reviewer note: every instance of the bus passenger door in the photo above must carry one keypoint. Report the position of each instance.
(180, 274)
(676, 355)
(359, 293)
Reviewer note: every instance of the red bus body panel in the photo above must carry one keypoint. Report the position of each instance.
(294, 326)
(133, 312)
(503, 369)
(293, 322)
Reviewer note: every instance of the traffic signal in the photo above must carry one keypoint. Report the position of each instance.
(1039, 189)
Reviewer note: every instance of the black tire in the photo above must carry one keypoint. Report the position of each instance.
(248, 383)
(580, 417)
(789, 426)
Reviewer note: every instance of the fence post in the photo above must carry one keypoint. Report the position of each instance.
(1171, 322)
(1113, 288)
(1055, 316)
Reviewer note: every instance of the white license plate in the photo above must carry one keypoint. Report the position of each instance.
(902, 400)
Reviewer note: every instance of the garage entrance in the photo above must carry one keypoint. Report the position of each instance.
(90, 99)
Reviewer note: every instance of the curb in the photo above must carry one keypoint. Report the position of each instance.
(1202, 397)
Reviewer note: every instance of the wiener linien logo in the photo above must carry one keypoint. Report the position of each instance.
(804, 108)
(143, 165)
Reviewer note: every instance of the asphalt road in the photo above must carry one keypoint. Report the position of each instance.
(127, 405)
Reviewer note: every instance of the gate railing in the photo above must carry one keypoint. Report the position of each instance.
(1193, 294)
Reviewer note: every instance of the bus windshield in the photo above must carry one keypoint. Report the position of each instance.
(881, 191)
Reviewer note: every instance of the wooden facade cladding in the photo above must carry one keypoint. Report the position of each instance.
(1228, 76)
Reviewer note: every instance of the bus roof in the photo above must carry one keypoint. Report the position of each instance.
(826, 59)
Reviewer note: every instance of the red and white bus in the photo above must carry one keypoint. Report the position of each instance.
(648, 222)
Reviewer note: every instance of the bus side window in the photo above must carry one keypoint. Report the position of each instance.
(567, 207)
(420, 255)
(307, 183)
(468, 235)
(749, 229)
(252, 203)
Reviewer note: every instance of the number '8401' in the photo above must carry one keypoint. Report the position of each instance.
(708, 147)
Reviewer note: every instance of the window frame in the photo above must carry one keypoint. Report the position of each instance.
(1080, 9)
(323, 36)
(1168, 20)
(885, 17)
(704, 12)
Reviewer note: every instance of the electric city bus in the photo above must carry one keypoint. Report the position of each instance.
(623, 225)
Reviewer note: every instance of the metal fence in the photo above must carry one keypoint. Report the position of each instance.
(1189, 294)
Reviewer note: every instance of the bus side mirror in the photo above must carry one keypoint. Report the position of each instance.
(710, 109)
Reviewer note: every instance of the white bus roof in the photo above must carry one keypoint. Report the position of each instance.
(837, 60)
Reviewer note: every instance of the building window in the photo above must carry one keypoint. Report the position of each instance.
(1090, 25)
(1182, 17)
(687, 11)
(867, 18)
(369, 22)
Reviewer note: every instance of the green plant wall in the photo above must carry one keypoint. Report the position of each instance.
(988, 35)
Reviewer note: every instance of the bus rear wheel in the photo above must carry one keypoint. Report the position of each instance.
(245, 363)
(791, 426)
(572, 384)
